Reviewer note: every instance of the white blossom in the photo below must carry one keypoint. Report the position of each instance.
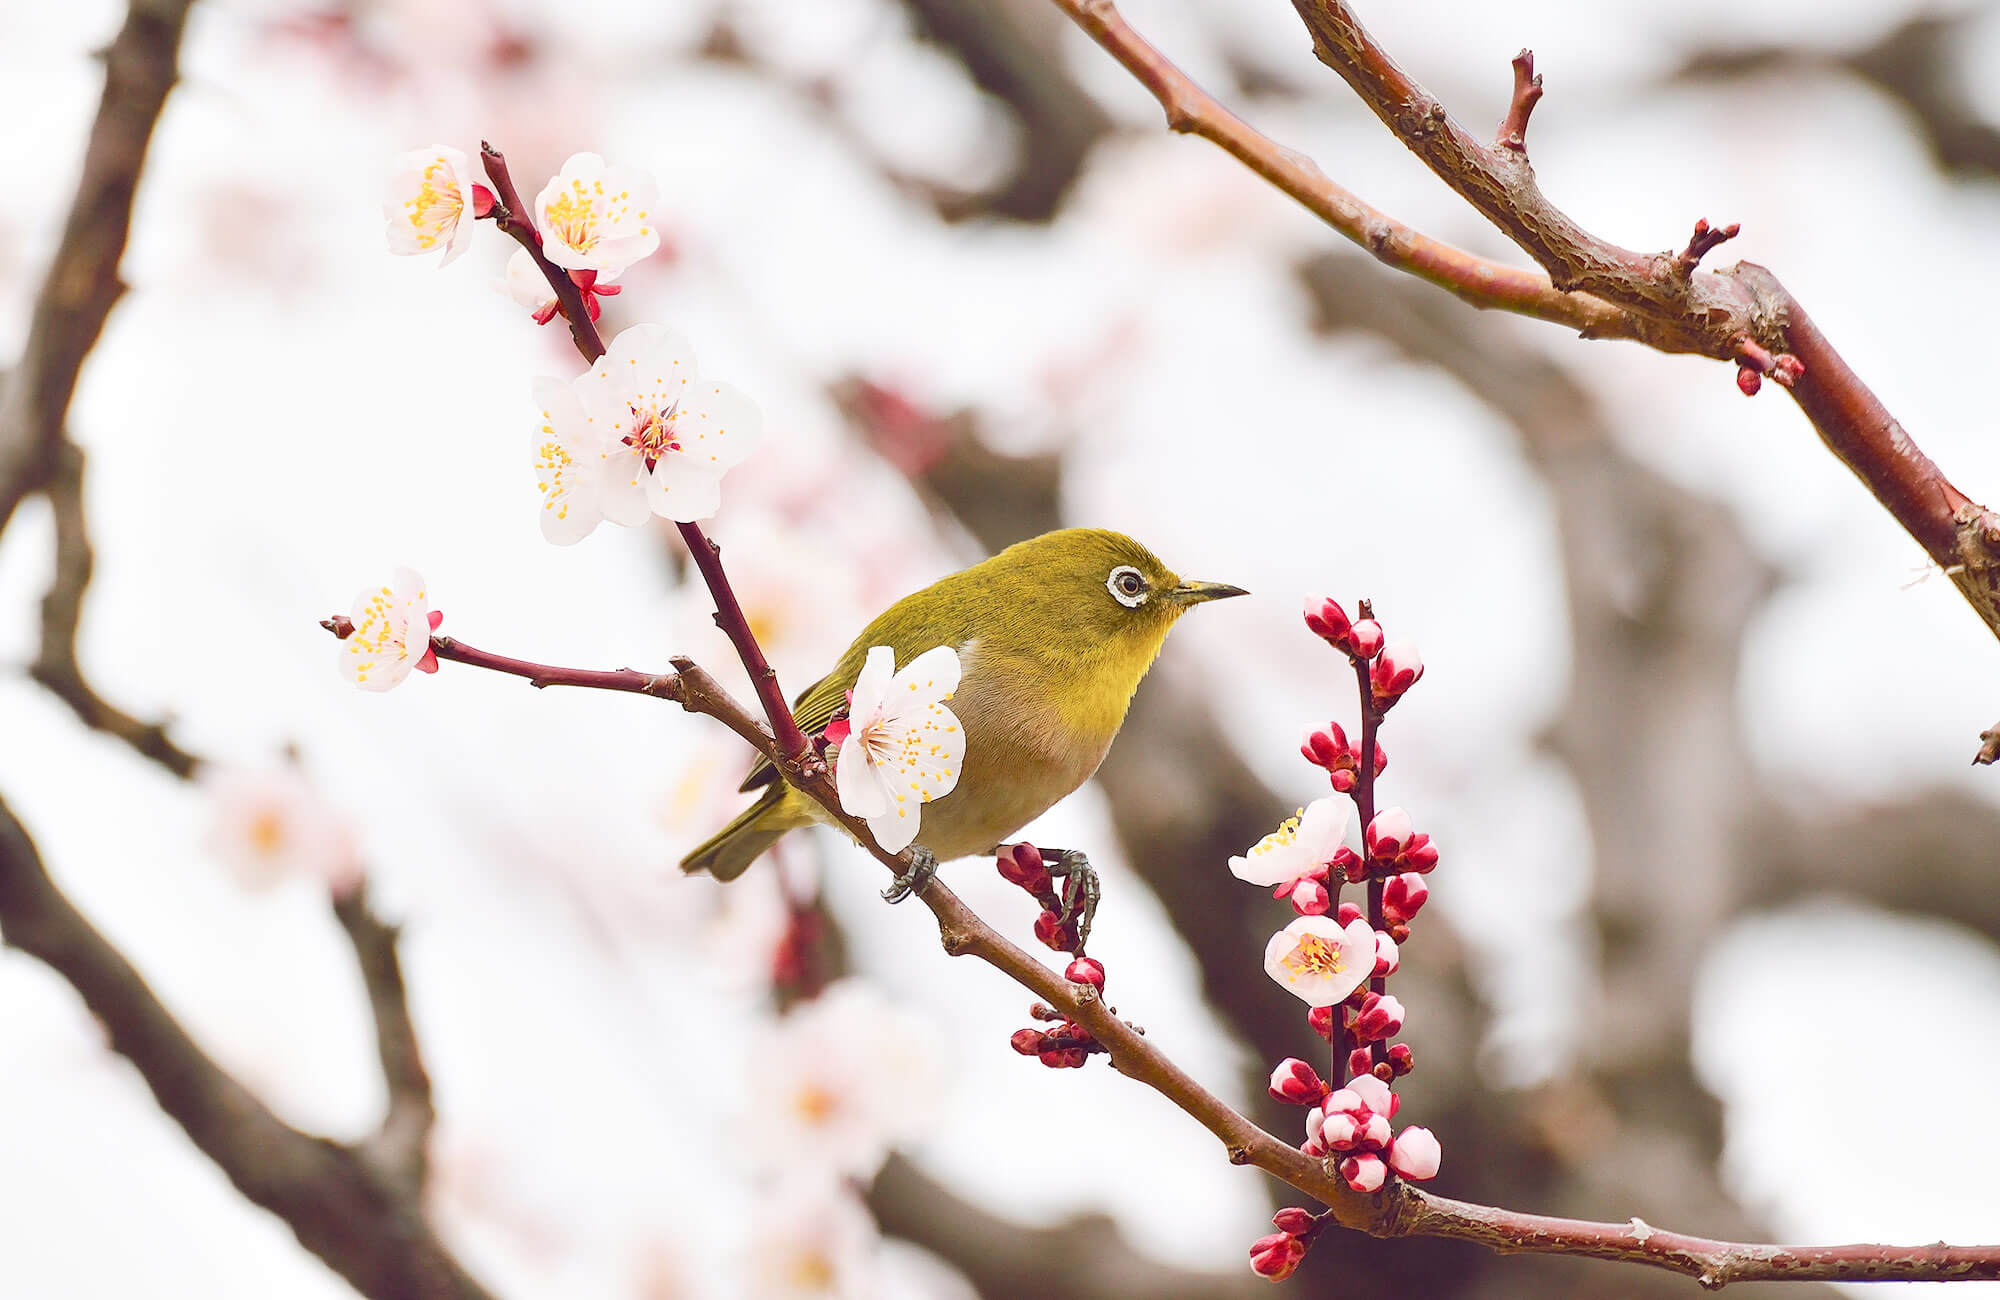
(430, 202)
(595, 218)
(1305, 842)
(904, 748)
(1319, 961)
(271, 825)
(392, 634)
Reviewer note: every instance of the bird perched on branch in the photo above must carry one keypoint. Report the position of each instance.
(1053, 636)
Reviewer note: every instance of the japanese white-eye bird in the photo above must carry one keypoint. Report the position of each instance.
(1053, 636)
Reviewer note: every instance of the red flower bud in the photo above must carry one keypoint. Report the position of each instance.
(1296, 1083)
(1321, 1020)
(1388, 836)
(1328, 621)
(1351, 865)
(1347, 914)
(1395, 672)
(1360, 1061)
(1028, 1042)
(1276, 1256)
(1310, 897)
(1381, 758)
(1403, 897)
(1401, 1059)
(1380, 1016)
(1748, 380)
(1050, 929)
(1364, 641)
(1387, 958)
(1023, 866)
(1422, 855)
(1294, 1220)
(1086, 970)
(1327, 747)
(482, 201)
(1343, 780)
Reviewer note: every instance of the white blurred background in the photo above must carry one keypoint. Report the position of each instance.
(280, 411)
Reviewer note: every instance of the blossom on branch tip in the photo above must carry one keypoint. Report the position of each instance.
(1319, 961)
(392, 634)
(1303, 845)
(1360, 639)
(905, 747)
(1416, 1154)
(1394, 672)
(1365, 639)
(429, 195)
(594, 218)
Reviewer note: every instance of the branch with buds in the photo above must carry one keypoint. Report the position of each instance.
(1741, 315)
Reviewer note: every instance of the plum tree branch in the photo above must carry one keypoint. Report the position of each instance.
(1398, 1210)
(1741, 315)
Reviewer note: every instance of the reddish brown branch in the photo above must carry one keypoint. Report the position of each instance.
(1513, 133)
(1397, 1211)
(1592, 285)
(368, 1228)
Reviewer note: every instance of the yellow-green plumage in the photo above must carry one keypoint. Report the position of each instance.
(1050, 655)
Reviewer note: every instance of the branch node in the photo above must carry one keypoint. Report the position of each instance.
(1513, 133)
(1239, 1154)
(1705, 237)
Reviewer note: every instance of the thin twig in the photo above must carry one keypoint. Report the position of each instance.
(399, 1148)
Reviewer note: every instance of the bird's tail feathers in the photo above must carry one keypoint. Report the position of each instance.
(729, 852)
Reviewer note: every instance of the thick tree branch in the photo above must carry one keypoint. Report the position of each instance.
(368, 1229)
(1743, 315)
(82, 284)
(1398, 1210)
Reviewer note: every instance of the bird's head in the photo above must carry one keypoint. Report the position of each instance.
(1092, 593)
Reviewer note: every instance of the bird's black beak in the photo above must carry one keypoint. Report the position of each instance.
(1194, 593)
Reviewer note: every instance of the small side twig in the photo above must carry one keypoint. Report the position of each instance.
(1704, 238)
(1513, 133)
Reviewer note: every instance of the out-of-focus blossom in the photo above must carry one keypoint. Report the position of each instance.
(271, 825)
(1304, 844)
(814, 1241)
(595, 218)
(392, 634)
(904, 747)
(839, 1081)
(1319, 961)
(1416, 1154)
(432, 198)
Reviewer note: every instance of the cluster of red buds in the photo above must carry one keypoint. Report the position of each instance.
(1349, 1110)
(1068, 1045)
(1277, 1256)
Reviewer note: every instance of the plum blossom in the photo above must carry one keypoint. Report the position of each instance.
(1302, 846)
(813, 1241)
(269, 826)
(904, 748)
(639, 432)
(1416, 1154)
(392, 634)
(840, 1081)
(429, 195)
(1320, 961)
(595, 218)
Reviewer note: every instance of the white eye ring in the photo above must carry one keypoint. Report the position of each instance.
(1127, 586)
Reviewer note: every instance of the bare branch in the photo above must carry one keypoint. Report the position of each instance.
(369, 1230)
(56, 666)
(82, 284)
(399, 1148)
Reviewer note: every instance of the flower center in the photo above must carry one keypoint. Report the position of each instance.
(814, 1103)
(812, 1271)
(652, 433)
(267, 833)
(1283, 838)
(1314, 956)
(573, 219)
(437, 206)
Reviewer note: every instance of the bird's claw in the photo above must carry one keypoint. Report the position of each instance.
(923, 870)
(1080, 893)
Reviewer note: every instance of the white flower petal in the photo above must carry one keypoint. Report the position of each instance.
(895, 830)
(718, 426)
(594, 217)
(930, 677)
(872, 686)
(861, 793)
(1321, 829)
(625, 488)
(1320, 962)
(683, 493)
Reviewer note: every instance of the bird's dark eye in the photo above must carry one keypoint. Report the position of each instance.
(1127, 586)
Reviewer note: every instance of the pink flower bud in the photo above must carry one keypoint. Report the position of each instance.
(1276, 1256)
(1315, 1125)
(1028, 1042)
(1395, 672)
(1364, 639)
(1364, 1173)
(1352, 867)
(1415, 1154)
(1340, 1132)
(1374, 1134)
(1401, 1059)
(1374, 1095)
(1086, 970)
(1321, 1020)
(1381, 758)
(1310, 897)
(1328, 621)
(1388, 834)
(1347, 914)
(1023, 866)
(1360, 1061)
(1343, 781)
(1404, 896)
(1297, 1083)
(1380, 1016)
(1387, 959)
(482, 201)
(1294, 1220)
(1050, 929)
(1422, 855)
(1327, 747)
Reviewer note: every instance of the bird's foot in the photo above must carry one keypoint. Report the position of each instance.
(1080, 893)
(923, 870)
